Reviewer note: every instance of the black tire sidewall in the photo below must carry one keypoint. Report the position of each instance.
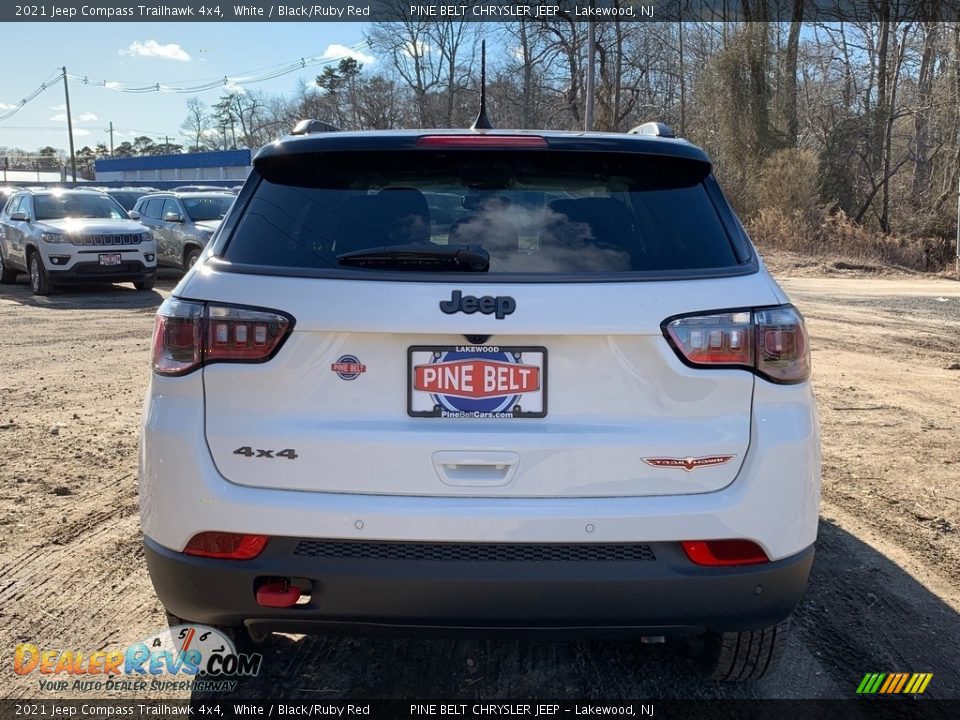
(42, 286)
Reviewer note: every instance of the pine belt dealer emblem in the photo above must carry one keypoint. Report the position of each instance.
(348, 367)
(689, 463)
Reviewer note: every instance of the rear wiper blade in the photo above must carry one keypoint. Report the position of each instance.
(455, 258)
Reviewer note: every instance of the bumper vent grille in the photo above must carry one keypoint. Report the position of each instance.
(92, 269)
(482, 552)
(111, 239)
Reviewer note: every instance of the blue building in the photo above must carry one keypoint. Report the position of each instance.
(183, 168)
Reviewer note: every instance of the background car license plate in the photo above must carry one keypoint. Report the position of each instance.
(477, 381)
(111, 259)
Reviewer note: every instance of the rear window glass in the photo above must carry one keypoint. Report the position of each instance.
(201, 209)
(530, 212)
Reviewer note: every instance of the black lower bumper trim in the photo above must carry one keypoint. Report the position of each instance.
(666, 595)
(93, 272)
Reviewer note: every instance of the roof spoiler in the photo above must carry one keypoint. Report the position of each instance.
(656, 129)
(310, 126)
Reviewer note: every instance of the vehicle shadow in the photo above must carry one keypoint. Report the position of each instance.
(861, 613)
(93, 296)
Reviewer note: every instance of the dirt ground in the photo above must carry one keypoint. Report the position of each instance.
(884, 595)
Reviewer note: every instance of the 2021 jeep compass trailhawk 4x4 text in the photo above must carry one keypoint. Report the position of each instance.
(484, 380)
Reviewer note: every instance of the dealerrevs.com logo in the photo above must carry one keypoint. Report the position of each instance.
(184, 657)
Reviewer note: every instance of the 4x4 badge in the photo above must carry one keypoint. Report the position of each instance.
(501, 305)
(689, 463)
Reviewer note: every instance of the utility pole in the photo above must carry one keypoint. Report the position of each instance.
(110, 130)
(66, 94)
(683, 84)
(591, 52)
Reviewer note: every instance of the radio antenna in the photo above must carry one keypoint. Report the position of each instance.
(483, 122)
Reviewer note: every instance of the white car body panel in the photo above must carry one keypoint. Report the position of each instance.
(773, 501)
(614, 399)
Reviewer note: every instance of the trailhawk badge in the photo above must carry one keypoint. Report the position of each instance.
(477, 381)
(689, 463)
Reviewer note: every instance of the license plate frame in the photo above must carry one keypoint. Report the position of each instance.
(110, 259)
(458, 405)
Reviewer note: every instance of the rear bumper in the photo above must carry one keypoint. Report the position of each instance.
(656, 592)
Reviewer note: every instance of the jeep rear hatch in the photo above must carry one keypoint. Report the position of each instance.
(545, 375)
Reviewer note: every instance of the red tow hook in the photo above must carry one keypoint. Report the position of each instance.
(278, 594)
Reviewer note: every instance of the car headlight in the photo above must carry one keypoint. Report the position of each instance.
(54, 237)
(146, 237)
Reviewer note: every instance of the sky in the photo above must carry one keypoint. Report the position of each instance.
(178, 54)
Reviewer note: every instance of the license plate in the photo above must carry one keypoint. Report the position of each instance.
(477, 381)
(111, 259)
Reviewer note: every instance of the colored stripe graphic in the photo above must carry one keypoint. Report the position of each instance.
(903, 681)
(894, 683)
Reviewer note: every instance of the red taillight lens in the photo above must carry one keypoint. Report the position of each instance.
(482, 141)
(176, 337)
(189, 334)
(226, 545)
(769, 341)
(243, 334)
(719, 553)
(783, 354)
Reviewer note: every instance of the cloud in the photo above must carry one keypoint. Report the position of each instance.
(80, 132)
(82, 117)
(416, 50)
(153, 49)
(337, 51)
(59, 108)
(4, 106)
(234, 88)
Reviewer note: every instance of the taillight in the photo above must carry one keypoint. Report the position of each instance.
(718, 553)
(242, 334)
(482, 141)
(176, 337)
(189, 334)
(226, 545)
(769, 341)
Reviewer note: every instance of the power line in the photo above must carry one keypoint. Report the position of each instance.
(263, 74)
(52, 79)
(254, 76)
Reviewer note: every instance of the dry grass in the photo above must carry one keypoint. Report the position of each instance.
(835, 237)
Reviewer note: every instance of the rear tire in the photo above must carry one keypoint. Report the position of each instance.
(39, 281)
(745, 655)
(146, 284)
(8, 275)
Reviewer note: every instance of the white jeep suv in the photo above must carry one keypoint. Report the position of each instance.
(67, 237)
(485, 380)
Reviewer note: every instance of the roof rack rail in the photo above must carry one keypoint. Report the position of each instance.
(657, 129)
(310, 125)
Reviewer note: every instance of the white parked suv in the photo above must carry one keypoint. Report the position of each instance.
(485, 380)
(63, 237)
